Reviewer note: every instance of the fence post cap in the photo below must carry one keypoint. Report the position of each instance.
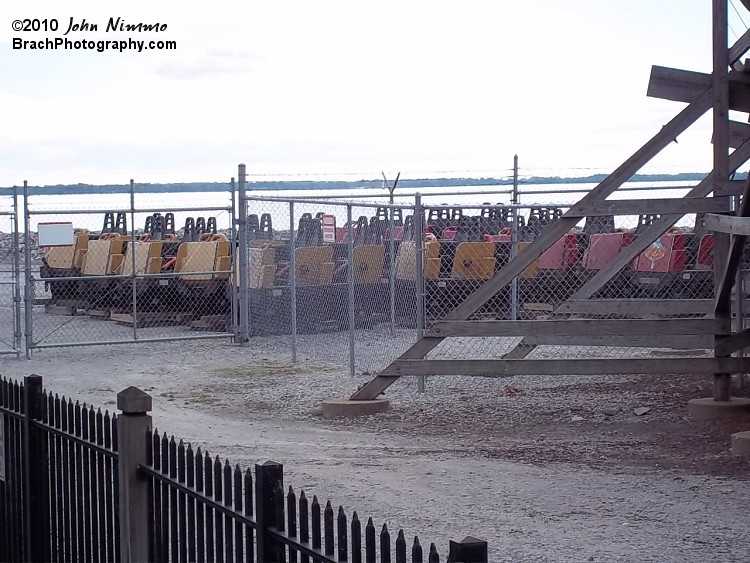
(133, 401)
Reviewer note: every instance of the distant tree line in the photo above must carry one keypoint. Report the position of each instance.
(350, 185)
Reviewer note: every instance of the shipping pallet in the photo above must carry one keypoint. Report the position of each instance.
(145, 320)
(212, 323)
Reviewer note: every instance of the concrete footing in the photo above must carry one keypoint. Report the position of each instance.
(334, 408)
(741, 444)
(707, 408)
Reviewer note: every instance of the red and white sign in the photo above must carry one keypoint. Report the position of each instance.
(329, 228)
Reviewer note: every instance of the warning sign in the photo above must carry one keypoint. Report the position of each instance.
(2, 449)
(329, 228)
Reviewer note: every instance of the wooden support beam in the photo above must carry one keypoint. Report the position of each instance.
(658, 206)
(549, 236)
(685, 86)
(654, 231)
(740, 47)
(620, 366)
(737, 241)
(725, 345)
(730, 187)
(574, 327)
(727, 224)
(670, 342)
(638, 307)
(738, 133)
(649, 235)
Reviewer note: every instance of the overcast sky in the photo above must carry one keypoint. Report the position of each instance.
(301, 87)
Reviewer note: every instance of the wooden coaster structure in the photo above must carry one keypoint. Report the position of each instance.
(727, 88)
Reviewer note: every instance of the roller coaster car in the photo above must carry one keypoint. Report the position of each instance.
(64, 262)
(102, 259)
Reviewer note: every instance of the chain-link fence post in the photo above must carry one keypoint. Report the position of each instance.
(419, 287)
(514, 240)
(17, 333)
(133, 284)
(392, 267)
(28, 297)
(242, 251)
(350, 284)
(233, 278)
(293, 280)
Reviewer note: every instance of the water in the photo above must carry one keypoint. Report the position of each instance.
(87, 210)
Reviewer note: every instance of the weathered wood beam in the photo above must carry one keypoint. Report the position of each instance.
(738, 133)
(589, 366)
(573, 327)
(649, 235)
(685, 86)
(653, 206)
(729, 187)
(549, 236)
(729, 273)
(746, 3)
(672, 342)
(637, 307)
(727, 224)
(740, 47)
(727, 344)
(654, 231)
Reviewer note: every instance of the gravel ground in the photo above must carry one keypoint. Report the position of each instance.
(544, 468)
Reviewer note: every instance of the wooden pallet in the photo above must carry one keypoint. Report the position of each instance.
(213, 323)
(145, 320)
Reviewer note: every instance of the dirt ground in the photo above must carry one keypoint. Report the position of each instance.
(543, 468)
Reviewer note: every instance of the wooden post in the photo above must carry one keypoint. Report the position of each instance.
(133, 424)
(36, 483)
(269, 510)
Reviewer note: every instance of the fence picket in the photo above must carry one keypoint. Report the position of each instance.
(304, 523)
(416, 551)
(191, 529)
(433, 557)
(341, 539)
(400, 547)
(86, 483)
(93, 472)
(109, 480)
(182, 504)
(219, 523)
(228, 520)
(370, 552)
(100, 485)
(209, 484)
(76, 467)
(356, 539)
(199, 508)
(328, 529)
(70, 553)
(174, 547)
(316, 539)
(385, 545)
(249, 533)
(238, 528)
(291, 522)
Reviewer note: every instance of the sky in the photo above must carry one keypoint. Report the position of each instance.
(347, 89)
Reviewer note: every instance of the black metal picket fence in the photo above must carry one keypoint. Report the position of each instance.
(77, 484)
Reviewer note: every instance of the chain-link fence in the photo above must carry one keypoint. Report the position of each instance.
(10, 287)
(334, 281)
(138, 266)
